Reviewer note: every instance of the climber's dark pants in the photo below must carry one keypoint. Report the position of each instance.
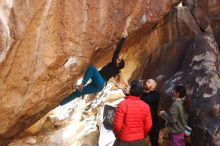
(96, 85)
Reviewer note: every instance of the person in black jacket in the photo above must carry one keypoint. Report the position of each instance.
(99, 78)
(152, 97)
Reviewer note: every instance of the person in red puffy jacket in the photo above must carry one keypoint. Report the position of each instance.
(132, 120)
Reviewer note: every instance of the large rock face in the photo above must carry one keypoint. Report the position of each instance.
(46, 46)
(160, 52)
(37, 38)
(200, 74)
(209, 9)
(214, 16)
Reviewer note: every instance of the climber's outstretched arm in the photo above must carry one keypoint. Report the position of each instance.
(118, 49)
(121, 42)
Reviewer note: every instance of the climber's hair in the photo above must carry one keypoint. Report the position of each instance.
(136, 88)
(121, 64)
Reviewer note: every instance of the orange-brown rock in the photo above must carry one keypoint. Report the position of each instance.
(45, 47)
(159, 53)
(38, 38)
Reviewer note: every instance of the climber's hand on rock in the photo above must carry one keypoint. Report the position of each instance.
(125, 33)
(80, 87)
(126, 91)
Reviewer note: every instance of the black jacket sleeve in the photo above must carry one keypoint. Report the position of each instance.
(118, 50)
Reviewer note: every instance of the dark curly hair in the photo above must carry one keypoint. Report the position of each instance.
(182, 94)
(136, 88)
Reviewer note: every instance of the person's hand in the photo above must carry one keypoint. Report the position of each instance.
(161, 112)
(126, 90)
(119, 85)
(80, 87)
(128, 21)
(125, 33)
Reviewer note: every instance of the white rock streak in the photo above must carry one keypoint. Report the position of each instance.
(70, 62)
(79, 122)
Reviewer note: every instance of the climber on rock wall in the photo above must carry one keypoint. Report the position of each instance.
(101, 77)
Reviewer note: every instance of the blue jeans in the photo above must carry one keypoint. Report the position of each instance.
(95, 86)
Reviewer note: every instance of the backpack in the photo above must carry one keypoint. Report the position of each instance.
(108, 116)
